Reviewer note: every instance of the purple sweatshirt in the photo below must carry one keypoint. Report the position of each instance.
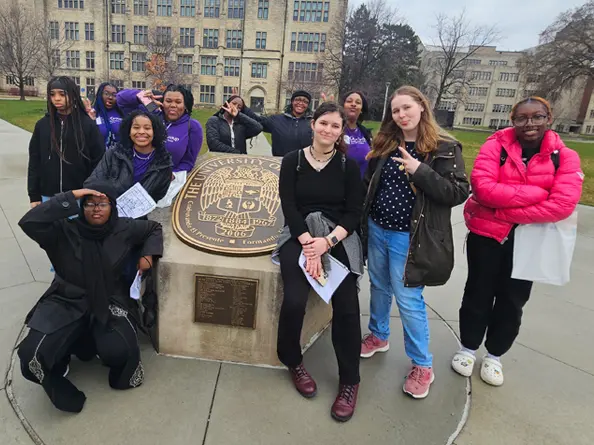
(184, 136)
(115, 120)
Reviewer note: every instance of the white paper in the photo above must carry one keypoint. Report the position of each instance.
(174, 188)
(135, 289)
(135, 202)
(335, 276)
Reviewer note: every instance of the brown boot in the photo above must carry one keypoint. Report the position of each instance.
(346, 400)
(303, 382)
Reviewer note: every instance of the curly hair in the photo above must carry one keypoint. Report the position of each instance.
(332, 107)
(159, 131)
(102, 109)
(187, 94)
(364, 104)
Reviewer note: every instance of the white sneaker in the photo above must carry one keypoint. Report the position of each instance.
(492, 371)
(463, 363)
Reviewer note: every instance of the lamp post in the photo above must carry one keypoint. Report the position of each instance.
(385, 100)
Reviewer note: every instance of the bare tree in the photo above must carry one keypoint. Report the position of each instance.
(19, 45)
(161, 65)
(457, 42)
(51, 47)
(311, 81)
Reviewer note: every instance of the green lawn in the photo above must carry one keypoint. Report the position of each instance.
(25, 114)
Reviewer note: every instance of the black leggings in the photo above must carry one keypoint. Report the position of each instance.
(44, 358)
(346, 324)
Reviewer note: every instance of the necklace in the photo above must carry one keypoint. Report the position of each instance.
(323, 161)
(136, 155)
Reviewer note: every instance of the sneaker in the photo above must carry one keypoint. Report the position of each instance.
(463, 363)
(67, 371)
(344, 405)
(492, 371)
(418, 381)
(371, 344)
(303, 381)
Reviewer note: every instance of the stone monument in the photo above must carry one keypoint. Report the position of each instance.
(219, 292)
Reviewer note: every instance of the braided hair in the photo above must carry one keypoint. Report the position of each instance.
(102, 111)
(538, 99)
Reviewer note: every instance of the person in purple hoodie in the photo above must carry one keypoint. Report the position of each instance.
(356, 136)
(184, 134)
(107, 114)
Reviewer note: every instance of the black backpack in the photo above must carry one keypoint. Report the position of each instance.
(554, 158)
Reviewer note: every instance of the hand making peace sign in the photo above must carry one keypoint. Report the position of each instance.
(407, 162)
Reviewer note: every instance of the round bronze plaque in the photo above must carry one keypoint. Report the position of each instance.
(230, 205)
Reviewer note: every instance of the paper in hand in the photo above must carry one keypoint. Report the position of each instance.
(334, 277)
(136, 288)
(135, 202)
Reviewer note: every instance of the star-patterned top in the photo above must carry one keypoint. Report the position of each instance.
(395, 198)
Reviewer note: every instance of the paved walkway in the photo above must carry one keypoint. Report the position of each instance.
(547, 399)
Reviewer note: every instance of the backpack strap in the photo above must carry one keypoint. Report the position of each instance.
(502, 157)
(555, 158)
(343, 162)
(299, 160)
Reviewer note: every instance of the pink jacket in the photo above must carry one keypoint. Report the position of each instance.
(503, 196)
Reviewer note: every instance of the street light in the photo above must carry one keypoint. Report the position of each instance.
(385, 100)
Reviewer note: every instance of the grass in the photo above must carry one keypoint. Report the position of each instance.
(25, 114)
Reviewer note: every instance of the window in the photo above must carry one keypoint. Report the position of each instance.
(234, 39)
(187, 8)
(163, 35)
(90, 58)
(89, 31)
(138, 62)
(141, 7)
(141, 35)
(13, 80)
(448, 105)
(212, 8)
(474, 107)
(90, 87)
(236, 9)
(118, 83)
(71, 30)
(471, 62)
(592, 114)
(118, 33)
(505, 92)
(509, 77)
(494, 123)
(308, 42)
(232, 66)
(498, 62)
(472, 121)
(310, 11)
(210, 38)
(54, 30)
(71, 4)
(589, 129)
(208, 65)
(504, 123)
(118, 6)
(164, 7)
(305, 71)
(227, 93)
(187, 86)
(502, 108)
(139, 84)
(116, 60)
(72, 59)
(480, 91)
(207, 94)
(261, 40)
(480, 75)
(56, 58)
(534, 78)
(187, 37)
(76, 81)
(184, 64)
(263, 9)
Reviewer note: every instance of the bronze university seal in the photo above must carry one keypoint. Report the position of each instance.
(230, 205)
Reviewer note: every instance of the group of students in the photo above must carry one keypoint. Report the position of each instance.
(386, 201)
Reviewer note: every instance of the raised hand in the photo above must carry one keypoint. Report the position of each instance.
(89, 109)
(407, 162)
(327, 98)
(230, 108)
(86, 192)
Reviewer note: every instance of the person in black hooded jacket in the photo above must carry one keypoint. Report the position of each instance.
(66, 144)
(228, 129)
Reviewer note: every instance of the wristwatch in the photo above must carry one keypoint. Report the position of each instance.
(332, 240)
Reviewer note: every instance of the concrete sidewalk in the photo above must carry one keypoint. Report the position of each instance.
(547, 399)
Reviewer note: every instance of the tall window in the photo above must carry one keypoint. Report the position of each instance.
(232, 66)
(505, 92)
(56, 58)
(118, 6)
(236, 9)
(13, 80)
(76, 81)
(89, 31)
(118, 83)
(263, 9)
(308, 42)
(184, 64)
(54, 30)
(305, 71)
(164, 7)
(71, 30)
(498, 62)
(208, 65)
(90, 59)
(311, 11)
(116, 60)
(207, 94)
(472, 121)
(187, 8)
(141, 35)
(477, 91)
(212, 8)
(480, 75)
(163, 35)
(259, 70)
(72, 59)
(261, 40)
(227, 93)
(502, 108)
(210, 38)
(141, 7)
(139, 84)
(187, 37)
(234, 38)
(90, 87)
(71, 4)
(118, 33)
(471, 62)
(509, 77)
(475, 107)
(138, 62)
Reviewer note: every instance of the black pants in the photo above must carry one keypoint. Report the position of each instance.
(346, 325)
(492, 301)
(44, 358)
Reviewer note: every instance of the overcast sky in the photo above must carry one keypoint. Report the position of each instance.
(520, 21)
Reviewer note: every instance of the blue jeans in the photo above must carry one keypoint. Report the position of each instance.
(388, 250)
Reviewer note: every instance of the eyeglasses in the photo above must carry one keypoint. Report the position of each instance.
(98, 205)
(521, 121)
(301, 100)
(109, 95)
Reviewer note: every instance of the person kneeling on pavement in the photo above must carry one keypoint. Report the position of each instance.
(87, 309)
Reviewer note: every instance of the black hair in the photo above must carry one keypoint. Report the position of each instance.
(364, 104)
(187, 94)
(332, 107)
(159, 130)
(102, 110)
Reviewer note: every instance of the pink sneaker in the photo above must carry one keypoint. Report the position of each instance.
(418, 382)
(371, 344)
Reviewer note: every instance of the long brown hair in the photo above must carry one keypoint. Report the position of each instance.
(333, 107)
(390, 135)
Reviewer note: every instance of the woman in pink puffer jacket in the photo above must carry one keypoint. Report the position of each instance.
(522, 175)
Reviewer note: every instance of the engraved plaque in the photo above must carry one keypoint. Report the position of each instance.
(226, 301)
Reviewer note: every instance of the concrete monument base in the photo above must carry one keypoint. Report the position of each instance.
(180, 335)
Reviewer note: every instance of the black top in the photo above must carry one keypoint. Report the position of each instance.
(218, 133)
(335, 191)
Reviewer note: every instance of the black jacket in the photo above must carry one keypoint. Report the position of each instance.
(117, 167)
(366, 132)
(48, 174)
(218, 133)
(441, 184)
(64, 302)
(289, 133)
